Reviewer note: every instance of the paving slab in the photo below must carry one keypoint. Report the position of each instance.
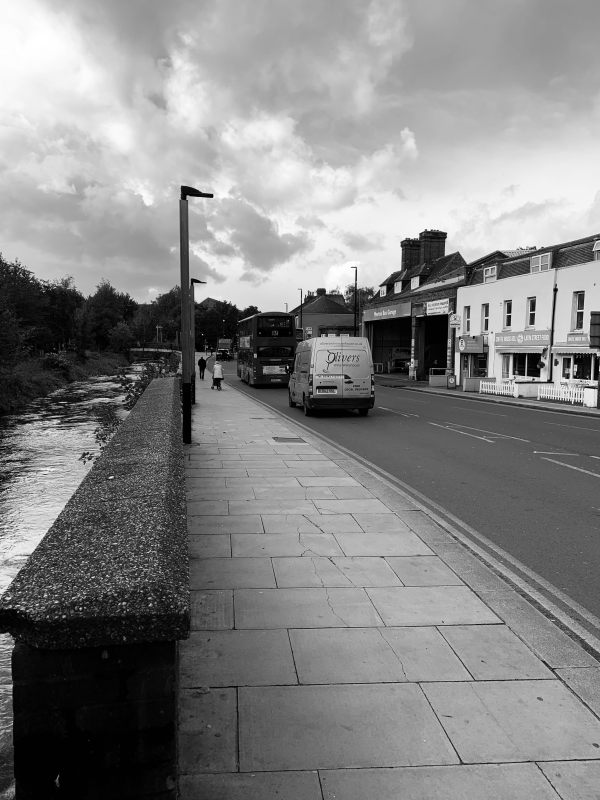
(304, 608)
(236, 658)
(398, 543)
(355, 507)
(368, 655)
(210, 524)
(574, 780)
(231, 573)
(333, 727)
(430, 605)
(207, 730)
(493, 652)
(278, 506)
(423, 571)
(209, 546)
(310, 523)
(211, 610)
(485, 782)
(585, 682)
(252, 786)
(495, 721)
(383, 522)
(332, 480)
(284, 544)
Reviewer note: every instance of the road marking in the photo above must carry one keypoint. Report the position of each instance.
(399, 413)
(552, 453)
(463, 433)
(572, 427)
(493, 433)
(570, 466)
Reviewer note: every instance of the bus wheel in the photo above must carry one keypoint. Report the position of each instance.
(362, 412)
(291, 403)
(307, 410)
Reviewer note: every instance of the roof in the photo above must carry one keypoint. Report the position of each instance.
(443, 268)
(325, 305)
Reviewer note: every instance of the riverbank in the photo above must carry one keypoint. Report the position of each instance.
(37, 377)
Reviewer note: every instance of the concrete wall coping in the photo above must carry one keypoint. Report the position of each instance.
(113, 568)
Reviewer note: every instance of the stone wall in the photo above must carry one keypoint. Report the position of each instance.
(96, 613)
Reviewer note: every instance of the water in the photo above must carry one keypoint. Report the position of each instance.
(39, 472)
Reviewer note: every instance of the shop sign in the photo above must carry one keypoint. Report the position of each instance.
(455, 321)
(578, 338)
(387, 312)
(471, 344)
(433, 307)
(521, 340)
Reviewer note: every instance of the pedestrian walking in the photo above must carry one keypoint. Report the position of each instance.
(217, 375)
(201, 366)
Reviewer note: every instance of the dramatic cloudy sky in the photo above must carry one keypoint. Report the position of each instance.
(328, 131)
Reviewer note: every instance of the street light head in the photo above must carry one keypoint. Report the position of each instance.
(189, 191)
(195, 280)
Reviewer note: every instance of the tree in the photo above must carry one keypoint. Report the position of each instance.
(120, 338)
(365, 293)
(250, 311)
(106, 308)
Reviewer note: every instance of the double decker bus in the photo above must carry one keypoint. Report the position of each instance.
(266, 348)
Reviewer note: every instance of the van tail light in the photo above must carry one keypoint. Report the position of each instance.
(372, 385)
(310, 385)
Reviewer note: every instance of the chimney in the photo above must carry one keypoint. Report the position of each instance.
(411, 251)
(433, 245)
(321, 292)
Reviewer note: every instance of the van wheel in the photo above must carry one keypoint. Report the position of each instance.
(362, 412)
(307, 410)
(291, 403)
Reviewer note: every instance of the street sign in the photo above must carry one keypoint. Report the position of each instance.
(455, 321)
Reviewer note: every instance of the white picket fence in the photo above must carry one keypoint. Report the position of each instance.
(506, 388)
(563, 394)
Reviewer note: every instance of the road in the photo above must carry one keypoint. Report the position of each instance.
(527, 479)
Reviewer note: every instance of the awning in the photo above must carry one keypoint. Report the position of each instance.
(516, 349)
(573, 349)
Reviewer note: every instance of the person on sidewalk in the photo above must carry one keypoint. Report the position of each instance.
(201, 366)
(217, 375)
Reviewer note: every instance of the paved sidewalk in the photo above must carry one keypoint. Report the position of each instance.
(345, 646)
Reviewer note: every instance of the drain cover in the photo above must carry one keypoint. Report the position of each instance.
(288, 439)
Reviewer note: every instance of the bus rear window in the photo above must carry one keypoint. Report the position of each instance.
(274, 326)
(275, 352)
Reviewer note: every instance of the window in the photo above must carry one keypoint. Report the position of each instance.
(383, 291)
(508, 313)
(527, 364)
(489, 274)
(397, 287)
(485, 317)
(414, 282)
(467, 319)
(596, 251)
(577, 314)
(530, 321)
(541, 263)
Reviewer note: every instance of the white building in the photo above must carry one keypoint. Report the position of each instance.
(527, 317)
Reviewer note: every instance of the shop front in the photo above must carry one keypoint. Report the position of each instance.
(388, 328)
(574, 361)
(523, 355)
(473, 354)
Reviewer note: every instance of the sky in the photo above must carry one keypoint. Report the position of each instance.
(328, 131)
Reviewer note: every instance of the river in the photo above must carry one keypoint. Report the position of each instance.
(40, 468)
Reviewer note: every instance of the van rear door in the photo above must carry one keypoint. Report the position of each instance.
(343, 369)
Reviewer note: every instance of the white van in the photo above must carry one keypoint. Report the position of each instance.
(333, 372)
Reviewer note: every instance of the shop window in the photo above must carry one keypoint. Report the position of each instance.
(566, 367)
(505, 365)
(527, 365)
(577, 313)
(479, 366)
(467, 319)
(508, 313)
(489, 274)
(485, 317)
(541, 263)
(582, 366)
(530, 322)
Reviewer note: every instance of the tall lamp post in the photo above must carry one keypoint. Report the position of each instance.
(355, 268)
(301, 326)
(193, 338)
(184, 255)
